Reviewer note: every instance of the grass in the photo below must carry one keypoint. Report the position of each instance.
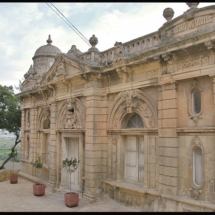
(4, 151)
(6, 143)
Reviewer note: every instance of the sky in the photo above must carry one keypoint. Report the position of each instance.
(25, 27)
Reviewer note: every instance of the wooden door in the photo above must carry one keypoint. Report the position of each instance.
(131, 162)
(134, 159)
(72, 152)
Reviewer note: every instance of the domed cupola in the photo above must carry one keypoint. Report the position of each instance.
(44, 57)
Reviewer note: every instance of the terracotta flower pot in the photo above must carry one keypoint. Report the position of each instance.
(13, 179)
(39, 189)
(71, 199)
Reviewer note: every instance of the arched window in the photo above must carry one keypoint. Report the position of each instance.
(27, 148)
(46, 148)
(196, 101)
(46, 124)
(135, 121)
(197, 166)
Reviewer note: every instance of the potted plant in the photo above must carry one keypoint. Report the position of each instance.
(13, 177)
(38, 188)
(71, 198)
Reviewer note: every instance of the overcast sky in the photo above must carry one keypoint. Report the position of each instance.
(24, 27)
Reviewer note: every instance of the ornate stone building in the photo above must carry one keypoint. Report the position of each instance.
(139, 116)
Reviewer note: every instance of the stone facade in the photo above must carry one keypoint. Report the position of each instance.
(140, 116)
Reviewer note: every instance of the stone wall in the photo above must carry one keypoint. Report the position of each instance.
(5, 174)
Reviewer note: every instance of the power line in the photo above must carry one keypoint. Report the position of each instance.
(70, 24)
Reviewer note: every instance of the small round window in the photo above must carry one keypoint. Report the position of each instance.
(135, 121)
(196, 101)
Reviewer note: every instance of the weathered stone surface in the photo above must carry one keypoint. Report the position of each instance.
(136, 114)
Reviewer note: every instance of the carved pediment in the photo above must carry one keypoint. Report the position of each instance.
(64, 68)
(28, 84)
(30, 74)
(59, 70)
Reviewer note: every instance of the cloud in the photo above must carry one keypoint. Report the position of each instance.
(25, 27)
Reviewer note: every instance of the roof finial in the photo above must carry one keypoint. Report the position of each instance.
(49, 41)
(168, 13)
(192, 5)
(93, 42)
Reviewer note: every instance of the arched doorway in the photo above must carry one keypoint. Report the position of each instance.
(71, 141)
(132, 132)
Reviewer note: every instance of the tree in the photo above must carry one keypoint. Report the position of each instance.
(10, 116)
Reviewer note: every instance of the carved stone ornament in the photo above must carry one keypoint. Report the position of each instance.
(196, 142)
(70, 120)
(195, 193)
(45, 92)
(46, 112)
(192, 5)
(190, 14)
(119, 52)
(125, 74)
(70, 104)
(92, 79)
(210, 45)
(166, 62)
(93, 42)
(192, 115)
(38, 82)
(74, 51)
(68, 85)
(30, 74)
(130, 100)
(105, 60)
(168, 13)
(61, 70)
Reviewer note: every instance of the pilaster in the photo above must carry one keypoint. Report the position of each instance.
(33, 134)
(95, 145)
(53, 148)
(168, 139)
